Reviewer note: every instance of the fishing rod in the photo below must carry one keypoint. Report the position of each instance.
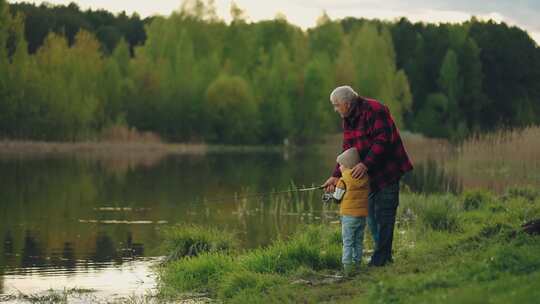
(254, 195)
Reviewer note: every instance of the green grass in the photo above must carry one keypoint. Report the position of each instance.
(475, 199)
(200, 274)
(314, 247)
(448, 249)
(239, 282)
(191, 240)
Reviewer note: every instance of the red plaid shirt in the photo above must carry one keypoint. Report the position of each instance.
(371, 130)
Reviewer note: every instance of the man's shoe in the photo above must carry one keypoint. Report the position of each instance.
(380, 264)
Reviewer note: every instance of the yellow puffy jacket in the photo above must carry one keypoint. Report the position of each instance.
(355, 199)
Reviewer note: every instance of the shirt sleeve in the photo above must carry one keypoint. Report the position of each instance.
(337, 172)
(382, 135)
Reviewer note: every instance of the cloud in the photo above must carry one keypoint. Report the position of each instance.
(523, 13)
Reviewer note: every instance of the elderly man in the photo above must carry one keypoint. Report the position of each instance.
(369, 127)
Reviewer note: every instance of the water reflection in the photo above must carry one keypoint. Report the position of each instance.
(105, 250)
(32, 254)
(59, 213)
(8, 244)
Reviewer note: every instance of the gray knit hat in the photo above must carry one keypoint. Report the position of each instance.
(349, 158)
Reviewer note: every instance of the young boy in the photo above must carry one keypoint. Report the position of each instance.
(353, 194)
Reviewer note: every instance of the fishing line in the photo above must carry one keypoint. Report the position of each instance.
(254, 195)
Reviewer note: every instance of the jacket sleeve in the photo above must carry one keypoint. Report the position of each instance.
(381, 132)
(337, 172)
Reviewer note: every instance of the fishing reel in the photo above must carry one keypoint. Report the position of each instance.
(327, 197)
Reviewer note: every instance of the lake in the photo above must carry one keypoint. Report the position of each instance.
(79, 220)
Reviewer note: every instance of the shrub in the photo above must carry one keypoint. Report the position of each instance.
(185, 241)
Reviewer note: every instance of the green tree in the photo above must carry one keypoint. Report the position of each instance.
(4, 27)
(274, 80)
(474, 102)
(451, 84)
(312, 112)
(326, 37)
(510, 65)
(171, 74)
(430, 116)
(19, 110)
(345, 72)
(68, 86)
(6, 105)
(231, 111)
(68, 20)
(377, 75)
(239, 47)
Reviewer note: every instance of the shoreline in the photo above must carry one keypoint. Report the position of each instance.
(30, 148)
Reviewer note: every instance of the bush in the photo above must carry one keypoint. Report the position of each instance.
(475, 199)
(185, 241)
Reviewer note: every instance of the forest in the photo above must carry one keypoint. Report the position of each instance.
(69, 75)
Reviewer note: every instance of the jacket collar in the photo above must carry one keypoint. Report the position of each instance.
(356, 110)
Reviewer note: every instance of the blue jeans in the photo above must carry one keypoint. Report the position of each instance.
(381, 220)
(352, 232)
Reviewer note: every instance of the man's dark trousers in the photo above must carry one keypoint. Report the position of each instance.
(381, 220)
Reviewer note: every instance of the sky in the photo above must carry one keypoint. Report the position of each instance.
(304, 13)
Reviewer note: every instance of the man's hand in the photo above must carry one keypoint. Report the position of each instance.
(359, 170)
(330, 184)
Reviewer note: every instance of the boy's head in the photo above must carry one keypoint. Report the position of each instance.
(349, 158)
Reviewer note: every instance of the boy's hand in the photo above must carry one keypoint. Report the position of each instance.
(359, 170)
(330, 184)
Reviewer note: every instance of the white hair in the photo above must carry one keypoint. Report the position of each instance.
(343, 94)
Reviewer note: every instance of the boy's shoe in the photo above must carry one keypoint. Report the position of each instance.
(350, 270)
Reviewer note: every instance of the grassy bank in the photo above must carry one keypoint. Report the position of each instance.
(30, 148)
(448, 249)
